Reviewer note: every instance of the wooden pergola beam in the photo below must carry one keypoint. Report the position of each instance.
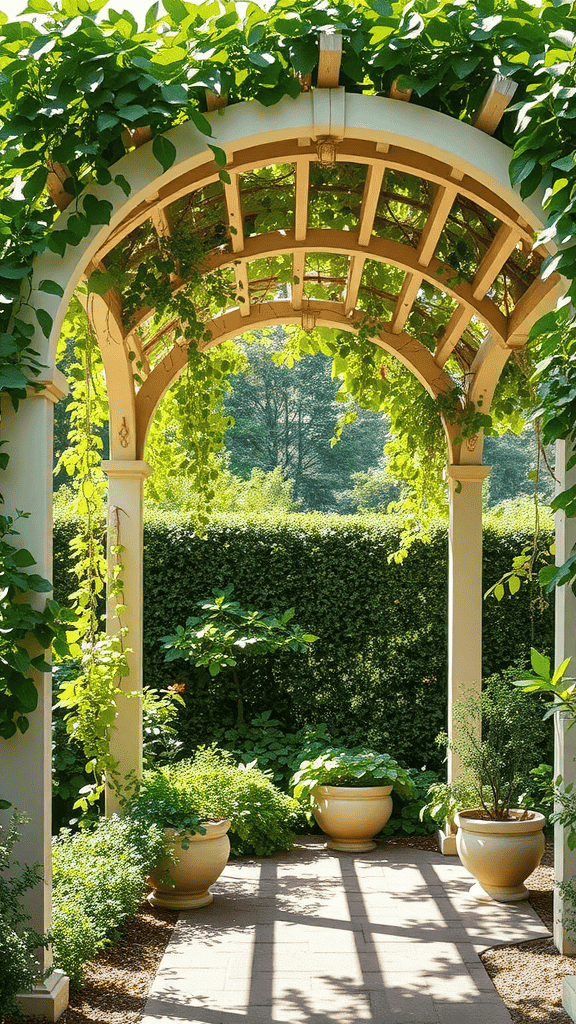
(530, 306)
(372, 187)
(455, 327)
(499, 94)
(162, 221)
(234, 208)
(215, 101)
(353, 284)
(503, 244)
(242, 288)
(329, 60)
(345, 243)
(408, 292)
(298, 269)
(57, 175)
(301, 199)
(396, 93)
(441, 206)
(288, 151)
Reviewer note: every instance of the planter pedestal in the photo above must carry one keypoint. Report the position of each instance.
(351, 816)
(200, 861)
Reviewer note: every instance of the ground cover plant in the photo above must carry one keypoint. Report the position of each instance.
(18, 941)
(99, 876)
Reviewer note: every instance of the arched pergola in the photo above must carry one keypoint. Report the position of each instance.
(458, 165)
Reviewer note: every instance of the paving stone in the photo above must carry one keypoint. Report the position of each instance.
(476, 1013)
(319, 937)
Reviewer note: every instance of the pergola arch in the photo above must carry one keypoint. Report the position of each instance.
(457, 161)
(410, 352)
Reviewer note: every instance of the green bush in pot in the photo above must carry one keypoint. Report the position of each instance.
(210, 787)
(349, 792)
(354, 767)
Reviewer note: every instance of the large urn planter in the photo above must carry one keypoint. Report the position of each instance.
(200, 859)
(500, 854)
(351, 815)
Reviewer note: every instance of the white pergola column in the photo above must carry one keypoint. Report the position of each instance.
(564, 738)
(464, 602)
(25, 760)
(125, 522)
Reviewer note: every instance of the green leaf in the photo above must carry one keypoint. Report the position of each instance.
(105, 121)
(521, 167)
(304, 54)
(100, 282)
(514, 584)
(219, 155)
(45, 320)
(540, 664)
(201, 123)
(98, 211)
(164, 151)
(133, 112)
(121, 181)
(174, 94)
(225, 177)
(176, 10)
(50, 287)
(22, 558)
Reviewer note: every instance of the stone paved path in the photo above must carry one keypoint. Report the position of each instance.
(318, 937)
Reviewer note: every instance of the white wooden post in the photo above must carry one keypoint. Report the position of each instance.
(564, 738)
(464, 602)
(25, 760)
(125, 522)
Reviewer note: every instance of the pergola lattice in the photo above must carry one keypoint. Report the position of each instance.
(415, 181)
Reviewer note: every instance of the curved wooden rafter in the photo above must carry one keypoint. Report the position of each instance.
(410, 352)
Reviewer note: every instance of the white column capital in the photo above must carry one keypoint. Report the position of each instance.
(129, 469)
(466, 474)
(53, 388)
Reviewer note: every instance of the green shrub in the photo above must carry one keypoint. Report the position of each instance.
(408, 817)
(378, 673)
(19, 967)
(264, 743)
(211, 787)
(99, 875)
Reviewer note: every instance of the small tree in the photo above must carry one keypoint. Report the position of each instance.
(224, 636)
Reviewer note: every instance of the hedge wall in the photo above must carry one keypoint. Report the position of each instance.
(378, 671)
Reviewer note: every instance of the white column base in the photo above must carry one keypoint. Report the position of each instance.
(569, 995)
(48, 999)
(447, 843)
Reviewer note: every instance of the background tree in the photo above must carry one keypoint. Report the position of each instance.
(285, 417)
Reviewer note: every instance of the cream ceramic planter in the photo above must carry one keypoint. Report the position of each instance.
(500, 854)
(350, 815)
(198, 866)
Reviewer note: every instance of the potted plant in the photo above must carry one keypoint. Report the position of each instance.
(225, 635)
(499, 843)
(349, 793)
(197, 845)
(209, 807)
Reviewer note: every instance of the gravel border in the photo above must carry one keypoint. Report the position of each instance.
(528, 977)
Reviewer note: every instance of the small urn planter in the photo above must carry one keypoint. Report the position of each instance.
(351, 816)
(200, 860)
(500, 854)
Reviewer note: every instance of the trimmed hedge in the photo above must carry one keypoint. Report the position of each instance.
(377, 675)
